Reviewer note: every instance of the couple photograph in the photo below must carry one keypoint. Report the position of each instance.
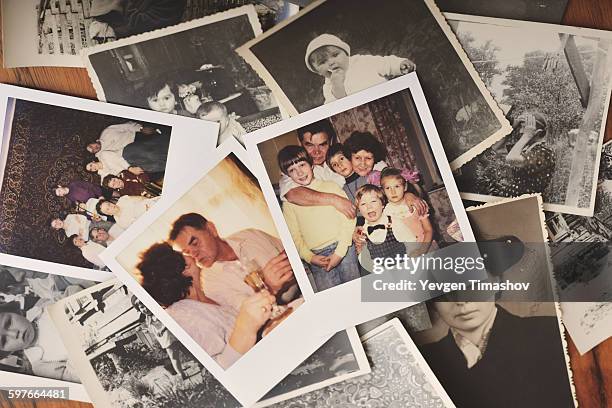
(215, 263)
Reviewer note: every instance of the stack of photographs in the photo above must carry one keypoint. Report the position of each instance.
(217, 233)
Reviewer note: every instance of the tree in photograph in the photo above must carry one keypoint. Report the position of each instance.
(484, 57)
(548, 88)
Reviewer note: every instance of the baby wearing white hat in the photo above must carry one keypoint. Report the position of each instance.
(330, 57)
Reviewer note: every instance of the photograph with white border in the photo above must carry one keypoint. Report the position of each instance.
(125, 356)
(207, 264)
(338, 48)
(385, 133)
(56, 35)
(190, 69)
(553, 83)
(35, 355)
(398, 371)
(68, 188)
(582, 269)
(519, 332)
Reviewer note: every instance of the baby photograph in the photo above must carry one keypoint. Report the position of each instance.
(338, 49)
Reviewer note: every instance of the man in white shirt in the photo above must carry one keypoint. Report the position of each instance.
(226, 261)
(115, 137)
(108, 149)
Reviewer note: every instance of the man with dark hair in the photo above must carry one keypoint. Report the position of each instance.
(226, 261)
(316, 138)
(492, 358)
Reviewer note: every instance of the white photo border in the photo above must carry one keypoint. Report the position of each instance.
(287, 343)
(10, 379)
(362, 361)
(190, 140)
(548, 28)
(345, 299)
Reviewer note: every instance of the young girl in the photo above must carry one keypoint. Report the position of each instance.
(407, 225)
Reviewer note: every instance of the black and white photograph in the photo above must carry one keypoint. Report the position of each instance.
(74, 179)
(488, 354)
(337, 361)
(542, 11)
(32, 352)
(517, 250)
(503, 350)
(211, 266)
(338, 49)
(58, 30)
(582, 269)
(356, 186)
(126, 356)
(398, 371)
(553, 84)
(182, 70)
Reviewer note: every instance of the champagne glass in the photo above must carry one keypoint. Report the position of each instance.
(254, 279)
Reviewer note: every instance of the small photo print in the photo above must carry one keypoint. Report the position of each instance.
(357, 186)
(60, 29)
(529, 347)
(553, 84)
(125, 356)
(398, 369)
(469, 341)
(215, 263)
(190, 70)
(73, 181)
(29, 342)
(338, 49)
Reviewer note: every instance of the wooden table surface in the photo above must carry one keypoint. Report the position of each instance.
(592, 372)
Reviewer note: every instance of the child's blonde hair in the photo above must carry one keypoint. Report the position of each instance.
(370, 188)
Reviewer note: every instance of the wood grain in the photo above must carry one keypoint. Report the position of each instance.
(592, 372)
